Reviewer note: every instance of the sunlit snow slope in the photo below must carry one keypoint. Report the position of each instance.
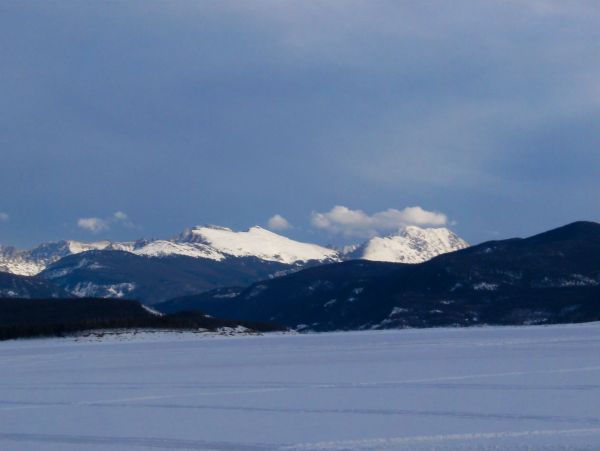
(258, 242)
(411, 245)
(31, 262)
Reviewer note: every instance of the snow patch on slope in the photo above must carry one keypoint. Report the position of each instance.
(152, 311)
(16, 261)
(90, 289)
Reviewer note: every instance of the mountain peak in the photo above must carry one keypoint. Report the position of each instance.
(33, 261)
(258, 242)
(258, 228)
(201, 227)
(412, 244)
(414, 228)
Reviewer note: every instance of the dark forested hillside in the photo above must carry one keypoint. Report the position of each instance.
(13, 286)
(55, 317)
(151, 279)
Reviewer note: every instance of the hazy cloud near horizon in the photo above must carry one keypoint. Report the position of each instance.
(224, 112)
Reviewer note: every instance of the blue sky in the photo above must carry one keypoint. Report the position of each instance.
(154, 116)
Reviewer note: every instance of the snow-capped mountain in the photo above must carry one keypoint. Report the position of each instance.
(29, 262)
(411, 245)
(165, 248)
(255, 242)
(18, 261)
(552, 277)
(196, 260)
(199, 259)
(209, 242)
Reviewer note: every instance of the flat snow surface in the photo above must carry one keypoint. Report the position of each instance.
(481, 388)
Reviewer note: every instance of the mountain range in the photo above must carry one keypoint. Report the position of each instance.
(206, 242)
(29, 262)
(259, 276)
(548, 278)
(197, 260)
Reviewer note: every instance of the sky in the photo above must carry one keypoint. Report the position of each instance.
(328, 121)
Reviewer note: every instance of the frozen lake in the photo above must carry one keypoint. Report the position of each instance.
(483, 388)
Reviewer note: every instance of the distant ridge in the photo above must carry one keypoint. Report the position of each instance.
(552, 277)
(20, 318)
(199, 259)
(14, 285)
(208, 242)
(409, 245)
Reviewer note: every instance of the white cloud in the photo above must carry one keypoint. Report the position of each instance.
(94, 225)
(4, 217)
(120, 216)
(278, 222)
(345, 221)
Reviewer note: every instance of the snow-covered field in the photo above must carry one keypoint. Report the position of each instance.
(484, 388)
